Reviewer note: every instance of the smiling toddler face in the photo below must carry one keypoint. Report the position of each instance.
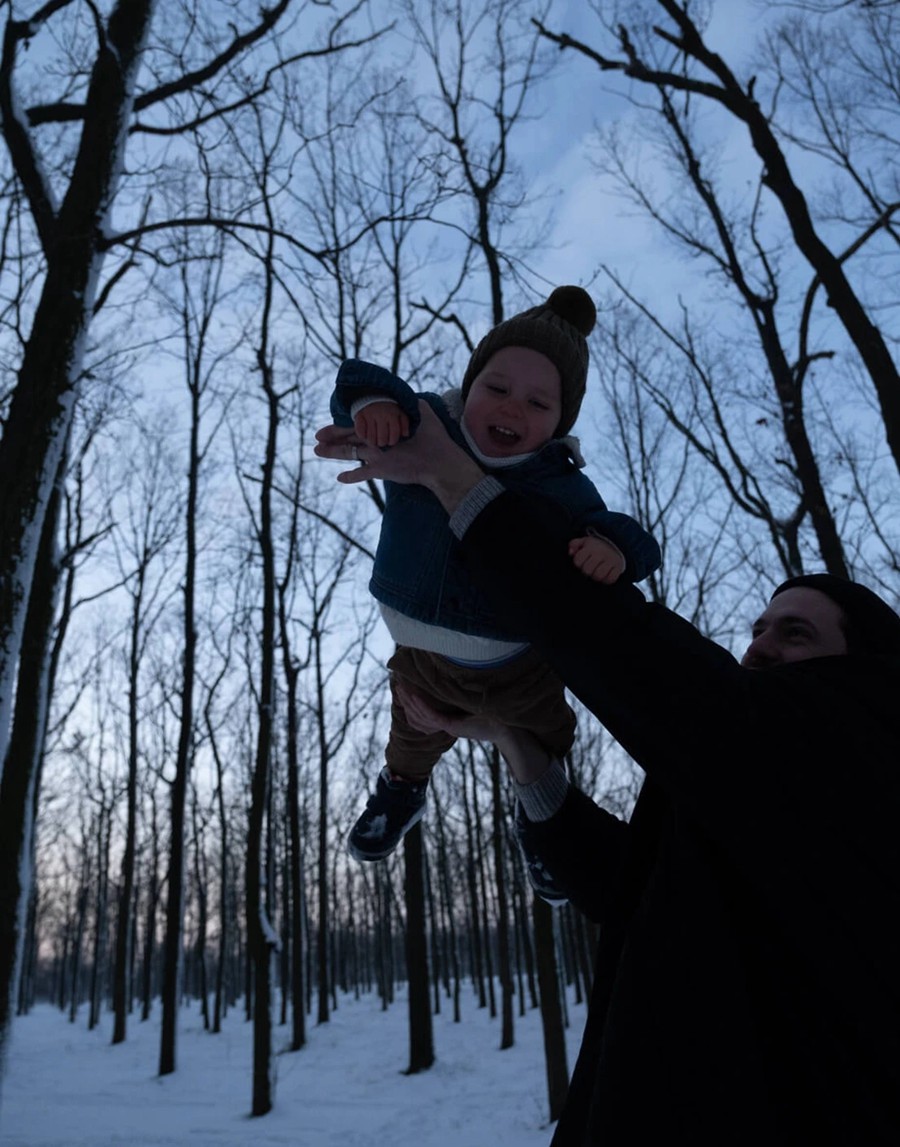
(515, 403)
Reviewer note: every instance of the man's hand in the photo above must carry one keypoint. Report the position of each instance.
(381, 424)
(427, 719)
(597, 558)
(526, 759)
(430, 458)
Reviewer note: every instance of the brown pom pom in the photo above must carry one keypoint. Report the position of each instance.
(574, 305)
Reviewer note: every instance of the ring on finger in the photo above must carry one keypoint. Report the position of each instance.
(354, 453)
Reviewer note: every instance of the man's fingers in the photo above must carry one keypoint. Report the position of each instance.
(418, 713)
(331, 436)
(351, 477)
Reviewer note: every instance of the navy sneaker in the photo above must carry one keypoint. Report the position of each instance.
(391, 811)
(538, 877)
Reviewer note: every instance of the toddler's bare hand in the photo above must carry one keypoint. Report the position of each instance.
(597, 559)
(381, 424)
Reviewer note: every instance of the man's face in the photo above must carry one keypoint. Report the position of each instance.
(796, 625)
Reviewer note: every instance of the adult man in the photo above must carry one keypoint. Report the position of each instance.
(746, 983)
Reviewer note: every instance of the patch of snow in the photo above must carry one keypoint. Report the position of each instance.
(68, 1087)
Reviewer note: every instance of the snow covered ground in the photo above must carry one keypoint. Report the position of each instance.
(67, 1087)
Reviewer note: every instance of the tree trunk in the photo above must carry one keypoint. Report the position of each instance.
(98, 967)
(21, 766)
(385, 951)
(224, 928)
(503, 948)
(178, 795)
(29, 957)
(295, 856)
(123, 929)
(448, 903)
(200, 947)
(551, 1013)
(261, 935)
(150, 918)
(472, 886)
(40, 412)
(81, 916)
(421, 1040)
(481, 904)
(322, 936)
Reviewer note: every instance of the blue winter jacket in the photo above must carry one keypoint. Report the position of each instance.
(417, 568)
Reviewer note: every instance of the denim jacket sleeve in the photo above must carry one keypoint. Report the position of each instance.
(358, 379)
(587, 512)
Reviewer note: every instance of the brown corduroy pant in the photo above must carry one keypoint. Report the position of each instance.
(524, 693)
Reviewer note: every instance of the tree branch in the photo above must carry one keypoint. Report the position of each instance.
(777, 177)
(18, 141)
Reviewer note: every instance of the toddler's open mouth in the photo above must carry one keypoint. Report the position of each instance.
(503, 436)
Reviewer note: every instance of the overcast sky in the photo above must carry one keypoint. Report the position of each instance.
(591, 224)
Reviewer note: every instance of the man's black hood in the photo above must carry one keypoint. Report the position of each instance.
(872, 626)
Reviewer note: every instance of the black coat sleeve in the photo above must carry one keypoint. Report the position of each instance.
(584, 848)
(649, 676)
(745, 753)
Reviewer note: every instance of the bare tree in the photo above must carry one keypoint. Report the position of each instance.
(150, 527)
(72, 240)
(262, 937)
(504, 957)
(421, 1035)
(321, 586)
(172, 944)
(19, 779)
(69, 207)
(472, 127)
(551, 1011)
(294, 892)
(693, 69)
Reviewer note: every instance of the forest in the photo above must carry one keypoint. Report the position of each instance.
(205, 207)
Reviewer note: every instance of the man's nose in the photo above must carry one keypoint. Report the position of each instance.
(762, 650)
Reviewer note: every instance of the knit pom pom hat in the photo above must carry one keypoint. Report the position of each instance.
(871, 625)
(558, 329)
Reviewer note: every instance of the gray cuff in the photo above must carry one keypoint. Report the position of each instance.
(480, 496)
(543, 797)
